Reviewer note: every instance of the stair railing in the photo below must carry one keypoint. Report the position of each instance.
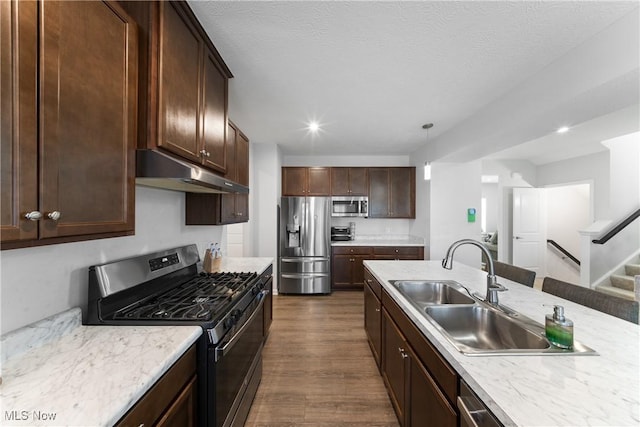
(565, 252)
(618, 228)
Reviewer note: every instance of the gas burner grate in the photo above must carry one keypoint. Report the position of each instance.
(200, 298)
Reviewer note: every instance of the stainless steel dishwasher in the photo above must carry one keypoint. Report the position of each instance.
(473, 413)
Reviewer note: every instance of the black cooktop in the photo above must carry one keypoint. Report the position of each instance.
(201, 298)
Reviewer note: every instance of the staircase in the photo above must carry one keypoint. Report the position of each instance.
(622, 283)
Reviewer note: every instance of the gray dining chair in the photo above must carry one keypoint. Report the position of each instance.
(615, 306)
(516, 274)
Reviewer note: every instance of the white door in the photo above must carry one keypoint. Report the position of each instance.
(529, 230)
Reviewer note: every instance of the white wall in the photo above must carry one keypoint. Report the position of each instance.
(265, 195)
(568, 211)
(42, 281)
(455, 187)
(592, 168)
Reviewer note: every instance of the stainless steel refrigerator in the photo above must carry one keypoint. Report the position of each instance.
(305, 245)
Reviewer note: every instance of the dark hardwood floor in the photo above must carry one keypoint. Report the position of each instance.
(318, 369)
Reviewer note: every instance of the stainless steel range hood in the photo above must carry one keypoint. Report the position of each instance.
(157, 169)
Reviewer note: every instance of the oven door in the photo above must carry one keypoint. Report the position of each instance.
(237, 368)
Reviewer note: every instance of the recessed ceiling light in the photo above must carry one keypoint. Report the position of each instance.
(313, 127)
(563, 129)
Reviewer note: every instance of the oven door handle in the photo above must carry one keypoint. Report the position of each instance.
(220, 352)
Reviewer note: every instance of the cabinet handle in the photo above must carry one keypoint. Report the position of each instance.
(401, 350)
(33, 216)
(205, 153)
(378, 310)
(54, 216)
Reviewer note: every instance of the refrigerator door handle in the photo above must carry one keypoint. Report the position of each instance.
(302, 275)
(304, 260)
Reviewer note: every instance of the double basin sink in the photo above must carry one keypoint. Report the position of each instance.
(475, 327)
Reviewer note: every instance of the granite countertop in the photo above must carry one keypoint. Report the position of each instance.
(66, 373)
(382, 240)
(60, 372)
(567, 390)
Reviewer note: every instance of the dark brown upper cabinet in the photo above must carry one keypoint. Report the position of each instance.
(392, 192)
(306, 181)
(68, 121)
(349, 182)
(185, 95)
(217, 209)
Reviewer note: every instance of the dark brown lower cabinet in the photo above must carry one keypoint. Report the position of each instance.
(347, 268)
(373, 318)
(395, 365)
(426, 405)
(422, 386)
(171, 402)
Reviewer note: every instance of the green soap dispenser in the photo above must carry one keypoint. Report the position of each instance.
(559, 329)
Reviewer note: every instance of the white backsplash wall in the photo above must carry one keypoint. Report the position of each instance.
(42, 281)
(376, 226)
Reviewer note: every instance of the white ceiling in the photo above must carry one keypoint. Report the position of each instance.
(372, 73)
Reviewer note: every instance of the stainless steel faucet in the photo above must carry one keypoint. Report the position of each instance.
(493, 287)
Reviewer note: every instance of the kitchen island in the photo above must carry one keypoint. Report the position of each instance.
(550, 390)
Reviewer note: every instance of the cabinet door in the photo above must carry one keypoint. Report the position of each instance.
(18, 121)
(378, 192)
(402, 192)
(294, 181)
(228, 201)
(426, 403)
(341, 271)
(357, 278)
(319, 181)
(359, 181)
(373, 323)
(182, 412)
(242, 159)
(88, 96)
(214, 143)
(340, 182)
(394, 362)
(179, 78)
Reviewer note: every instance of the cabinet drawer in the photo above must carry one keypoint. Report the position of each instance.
(352, 250)
(439, 368)
(373, 284)
(397, 250)
(161, 397)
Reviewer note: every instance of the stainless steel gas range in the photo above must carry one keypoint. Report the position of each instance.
(165, 288)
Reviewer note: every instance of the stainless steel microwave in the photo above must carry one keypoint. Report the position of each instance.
(350, 206)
